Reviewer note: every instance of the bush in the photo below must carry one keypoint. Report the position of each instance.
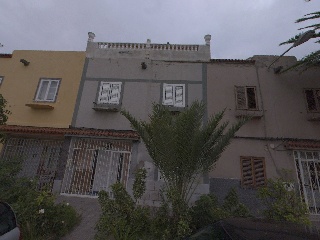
(207, 210)
(172, 220)
(121, 217)
(282, 204)
(38, 215)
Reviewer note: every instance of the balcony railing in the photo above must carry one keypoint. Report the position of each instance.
(137, 46)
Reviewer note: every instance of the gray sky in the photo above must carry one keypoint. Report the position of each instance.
(239, 28)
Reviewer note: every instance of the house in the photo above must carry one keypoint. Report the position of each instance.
(41, 89)
(282, 138)
(129, 76)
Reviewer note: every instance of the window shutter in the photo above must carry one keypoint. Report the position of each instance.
(179, 96)
(241, 98)
(311, 101)
(259, 174)
(247, 176)
(115, 93)
(104, 94)
(167, 94)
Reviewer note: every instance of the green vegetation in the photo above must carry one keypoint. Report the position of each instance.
(283, 204)
(38, 215)
(183, 147)
(207, 210)
(313, 58)
(121, 217)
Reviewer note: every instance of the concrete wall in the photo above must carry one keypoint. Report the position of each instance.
(140, 88)
(283, 110)
(281, 100)
(20, 85)
(175, 52)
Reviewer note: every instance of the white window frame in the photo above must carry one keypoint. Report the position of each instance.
(173, 99)
(110, 93)
(45, 98)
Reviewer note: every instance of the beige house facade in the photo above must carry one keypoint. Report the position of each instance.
(282, 140)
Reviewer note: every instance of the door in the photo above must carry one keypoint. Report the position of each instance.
(308, 171)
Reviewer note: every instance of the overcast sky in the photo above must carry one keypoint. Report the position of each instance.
(239, 28)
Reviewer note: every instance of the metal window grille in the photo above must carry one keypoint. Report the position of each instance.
(313, 99)
(308, 172)
(39, 158)
(174, 95)
(253, 172)
(94, 165)
(110, 93)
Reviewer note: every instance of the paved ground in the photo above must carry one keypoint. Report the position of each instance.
(89, 209)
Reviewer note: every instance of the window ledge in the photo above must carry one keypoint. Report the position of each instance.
(250, 113)
(313, 116)
(106, 107)
(175, 109)
(39, 106)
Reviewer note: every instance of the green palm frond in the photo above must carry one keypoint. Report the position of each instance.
(309, 16)
(312, 59)
(182, 146)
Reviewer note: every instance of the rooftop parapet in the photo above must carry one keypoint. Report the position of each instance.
(148, 50)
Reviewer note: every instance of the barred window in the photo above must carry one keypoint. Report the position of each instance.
(313, 99)
(110, 93)
(253, 173)
(174, 95)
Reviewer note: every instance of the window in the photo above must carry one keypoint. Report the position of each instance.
(252, 171)
(47, 90)
(313, 99)
(109, 93)
(174, 95)
(1, 79)
(246, 98)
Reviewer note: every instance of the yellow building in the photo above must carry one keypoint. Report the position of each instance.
(41, 86)
(41, 89)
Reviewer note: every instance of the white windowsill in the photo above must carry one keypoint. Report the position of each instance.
(106, 107)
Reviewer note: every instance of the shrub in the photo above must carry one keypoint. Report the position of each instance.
(121, 217)
(207, 210)
(282, 204)
(38, 215)
(172, 220)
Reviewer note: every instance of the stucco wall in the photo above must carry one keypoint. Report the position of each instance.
(276, 158)
(140, 88)
(282, 102)
(21, 82)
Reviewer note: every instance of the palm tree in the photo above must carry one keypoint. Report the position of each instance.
(312, 59)
(182, 146)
